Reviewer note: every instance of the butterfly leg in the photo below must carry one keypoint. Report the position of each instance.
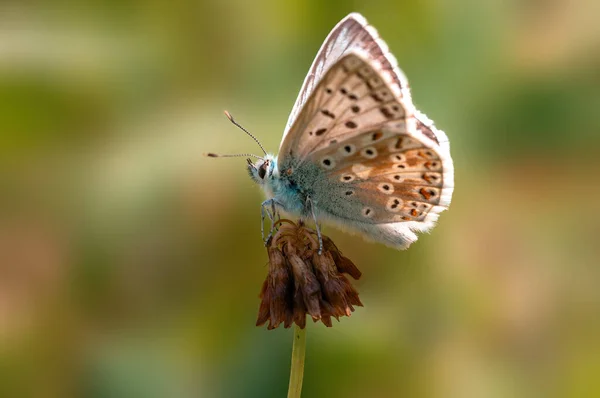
(312, 210)
(264, 209)
(277, 214)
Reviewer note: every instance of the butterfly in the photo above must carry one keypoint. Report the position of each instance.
(355, 152)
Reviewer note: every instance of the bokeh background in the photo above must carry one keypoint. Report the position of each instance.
(130, 264)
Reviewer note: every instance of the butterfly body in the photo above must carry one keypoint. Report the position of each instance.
(293, 187)
(356, 153)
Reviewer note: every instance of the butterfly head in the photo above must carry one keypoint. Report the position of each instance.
(263, 169)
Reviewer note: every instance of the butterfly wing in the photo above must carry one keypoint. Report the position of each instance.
(393, 183)
(351, 34)
(388, 170)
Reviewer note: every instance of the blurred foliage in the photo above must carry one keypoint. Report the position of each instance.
(130, 265)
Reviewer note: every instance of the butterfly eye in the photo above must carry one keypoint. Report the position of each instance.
(262, 171)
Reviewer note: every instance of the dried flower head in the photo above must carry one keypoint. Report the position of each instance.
(301, 282)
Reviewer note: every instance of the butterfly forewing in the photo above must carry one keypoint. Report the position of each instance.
(349, 35)
(352, 98)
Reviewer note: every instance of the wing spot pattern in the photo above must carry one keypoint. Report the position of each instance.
(369, 152)
(327, 113)
(367, 212)
(364, 72)
(352, 96)
(432, 165)
(349, 149)
(391, 112)
(394, 204)
(430, 177)
(351, 125)
(347, 178)
(382, 95)
(328, 163)
(428, 193)
(373, 82)
(386, 188)
(386, 112)
(377, 98)
(397, 158)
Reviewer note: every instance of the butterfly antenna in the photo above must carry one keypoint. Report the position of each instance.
(244, 130)
(235, 155)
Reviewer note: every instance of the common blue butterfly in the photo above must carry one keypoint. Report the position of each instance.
(355, 152)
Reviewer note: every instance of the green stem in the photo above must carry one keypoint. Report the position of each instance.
(297, 371)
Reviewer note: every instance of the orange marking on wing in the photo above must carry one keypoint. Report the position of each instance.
(412, 161)
(426, 194)
(430, 165)
(377, 135)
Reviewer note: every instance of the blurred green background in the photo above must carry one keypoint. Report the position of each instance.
(130, 264)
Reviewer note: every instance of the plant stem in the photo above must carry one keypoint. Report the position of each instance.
(297, 371)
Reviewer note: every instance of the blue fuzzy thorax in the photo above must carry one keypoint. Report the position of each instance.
(284, 188)
(292, 184)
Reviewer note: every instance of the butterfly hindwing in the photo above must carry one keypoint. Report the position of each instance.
(391, 176)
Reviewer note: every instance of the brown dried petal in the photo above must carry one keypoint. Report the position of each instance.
(332, 285)
(279, 285)
(344, 264)
(263, 310)
(301, 282)
(352, 294)
(327, 311)
(306, 282)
